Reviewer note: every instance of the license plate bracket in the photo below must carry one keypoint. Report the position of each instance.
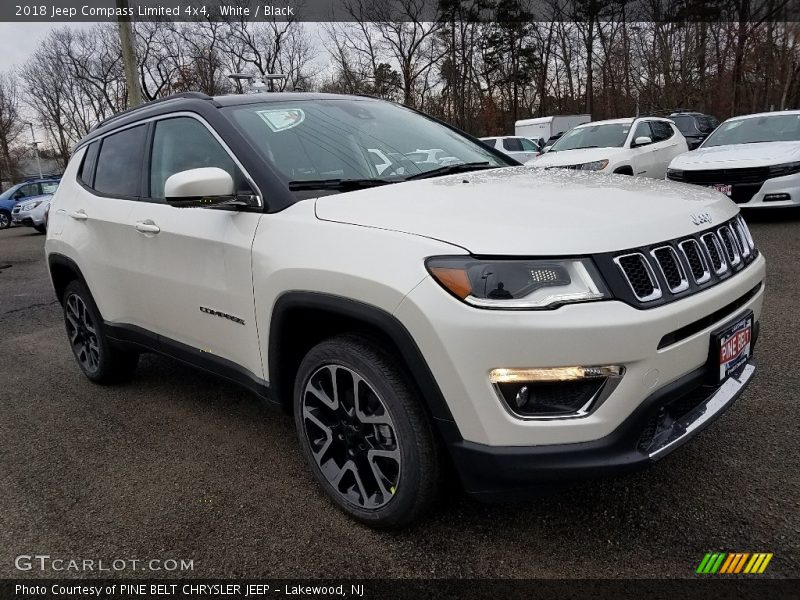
(731, 347)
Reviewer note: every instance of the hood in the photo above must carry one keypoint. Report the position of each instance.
(532, 212)
(573, 157)
(733, 156)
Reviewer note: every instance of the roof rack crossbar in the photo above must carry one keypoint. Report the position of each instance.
(125, 113)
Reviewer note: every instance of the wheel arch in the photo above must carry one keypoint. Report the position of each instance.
(63, 270)
(624, 170)
(318, 316)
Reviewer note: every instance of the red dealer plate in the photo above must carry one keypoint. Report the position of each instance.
(733, 345)
(725, 188)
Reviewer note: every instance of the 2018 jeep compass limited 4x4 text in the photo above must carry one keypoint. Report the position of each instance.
(534, 326)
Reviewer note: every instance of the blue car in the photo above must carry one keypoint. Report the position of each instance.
(23, 191)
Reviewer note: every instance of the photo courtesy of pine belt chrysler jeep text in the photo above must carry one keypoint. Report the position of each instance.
(412, 312)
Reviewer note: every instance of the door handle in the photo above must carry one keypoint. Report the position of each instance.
(147, 227)
(79, 215)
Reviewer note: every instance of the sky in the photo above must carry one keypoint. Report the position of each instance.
(19, 40)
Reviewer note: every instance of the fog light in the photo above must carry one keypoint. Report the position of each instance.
(776, 197)
(554, 392)
(522, 396)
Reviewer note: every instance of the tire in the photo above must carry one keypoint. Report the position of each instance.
(5, 219)
(99, 360)
(388, 445)
(40, 228)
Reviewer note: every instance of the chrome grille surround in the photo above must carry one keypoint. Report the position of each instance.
(656, 293)
(660, 259)
(654, 275)
(730, 245)
(698, 251)
(715, 252)
(746, 230)
(741, 237)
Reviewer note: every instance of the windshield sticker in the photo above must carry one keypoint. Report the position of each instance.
(283, 118)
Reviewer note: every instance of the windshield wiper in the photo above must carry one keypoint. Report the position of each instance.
(450, 169)
(338, 184)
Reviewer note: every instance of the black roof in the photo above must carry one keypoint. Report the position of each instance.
(199, 102)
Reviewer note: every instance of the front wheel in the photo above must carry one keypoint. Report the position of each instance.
(365, 434)
(5, 219)
(99, 360)
(40, 228)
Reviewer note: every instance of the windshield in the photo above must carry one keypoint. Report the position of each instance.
(777, 128)
(612, 135)
(358, 139)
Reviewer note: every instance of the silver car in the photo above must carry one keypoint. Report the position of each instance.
(32, 213)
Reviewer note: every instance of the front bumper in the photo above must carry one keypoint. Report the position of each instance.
(778, 192)
(774, 188)
(27, 219)
(662, 350)
(662, 423)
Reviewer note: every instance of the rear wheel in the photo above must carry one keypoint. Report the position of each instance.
(365, 434)
(99, 360)
(5, 219)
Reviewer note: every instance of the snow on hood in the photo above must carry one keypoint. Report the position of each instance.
(734, 156)
(528, 212)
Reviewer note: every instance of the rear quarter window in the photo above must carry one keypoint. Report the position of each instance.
(86, 173)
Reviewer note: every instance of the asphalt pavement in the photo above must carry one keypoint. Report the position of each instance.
(179, 465)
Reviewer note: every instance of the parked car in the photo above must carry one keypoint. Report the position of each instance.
(23, 191)
(642, 147)
(548, 127)
(753, 159)
(433, 156)
(550, 141)
(519, 148)
(32, 212)
(534, 325)
(695, 126)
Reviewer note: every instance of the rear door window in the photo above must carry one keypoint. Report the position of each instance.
(512, 144)
(119, 164)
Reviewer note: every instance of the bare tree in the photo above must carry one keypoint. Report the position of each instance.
(10, 124)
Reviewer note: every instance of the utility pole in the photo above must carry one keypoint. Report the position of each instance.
(36, 150)
(128, 55)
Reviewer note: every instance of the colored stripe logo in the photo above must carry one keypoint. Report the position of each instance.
(734, 563)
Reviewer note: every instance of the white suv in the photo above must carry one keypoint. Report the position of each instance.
(642, 146)
(526, 326)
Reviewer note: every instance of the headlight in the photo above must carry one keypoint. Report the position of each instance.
(597, 165)
(31, 205)
(518, 284)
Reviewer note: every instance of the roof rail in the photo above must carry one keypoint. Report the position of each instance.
(124, 113)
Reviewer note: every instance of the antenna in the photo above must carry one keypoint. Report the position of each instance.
(256, 84)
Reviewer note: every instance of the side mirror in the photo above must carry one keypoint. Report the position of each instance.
(642, 140)
(206, 186)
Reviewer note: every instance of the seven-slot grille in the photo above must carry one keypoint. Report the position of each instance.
(656, 274)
